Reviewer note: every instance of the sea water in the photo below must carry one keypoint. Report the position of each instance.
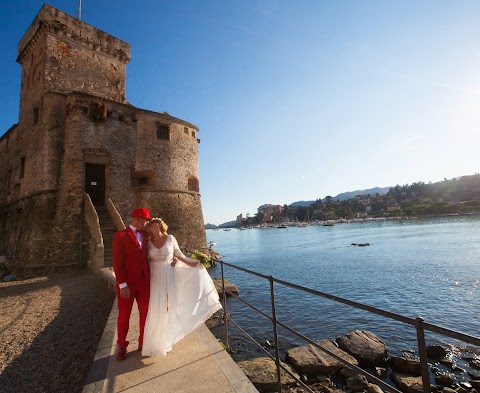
(413, 267)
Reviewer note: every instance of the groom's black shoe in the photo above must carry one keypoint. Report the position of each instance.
(122, 354)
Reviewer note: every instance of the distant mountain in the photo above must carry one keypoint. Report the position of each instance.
(302, 203)
(228, 224)
(347, 195)
(350, 194)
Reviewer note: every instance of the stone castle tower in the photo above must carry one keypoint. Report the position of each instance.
(78, 135)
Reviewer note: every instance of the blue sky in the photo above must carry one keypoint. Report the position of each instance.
(295, 100)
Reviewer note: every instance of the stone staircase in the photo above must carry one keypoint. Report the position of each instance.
(108, 230)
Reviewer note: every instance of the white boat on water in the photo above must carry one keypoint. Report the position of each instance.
(329, 223)
(227, 229)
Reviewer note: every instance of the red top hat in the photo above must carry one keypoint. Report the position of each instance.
(141, 213)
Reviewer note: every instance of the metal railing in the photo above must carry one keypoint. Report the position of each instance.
(419, 324)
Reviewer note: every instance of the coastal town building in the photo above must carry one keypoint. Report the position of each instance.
(269, 212)
(240, 219)
(80, 149)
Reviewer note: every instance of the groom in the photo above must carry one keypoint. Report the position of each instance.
(130, 264)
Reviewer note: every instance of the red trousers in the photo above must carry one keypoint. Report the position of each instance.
(142, 295)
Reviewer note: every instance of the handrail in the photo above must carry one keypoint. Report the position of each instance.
(91, 217)
(369, 376)
(419, 324)
(97, 248)
(115, 216)
(401, 318)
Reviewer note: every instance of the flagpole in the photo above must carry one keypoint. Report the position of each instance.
(79, 9)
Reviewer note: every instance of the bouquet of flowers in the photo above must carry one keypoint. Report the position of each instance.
(204, 259)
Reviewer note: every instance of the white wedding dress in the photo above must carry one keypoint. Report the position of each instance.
(181, 298)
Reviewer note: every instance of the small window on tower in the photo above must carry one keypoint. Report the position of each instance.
(22, 167)
(193, 134)
(18, 218)
(35, 115)
(9, 181)
(185, 129)
(143, 179)
(163, 131)
(193, 184)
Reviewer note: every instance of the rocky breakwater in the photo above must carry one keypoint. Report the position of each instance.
(325, 373)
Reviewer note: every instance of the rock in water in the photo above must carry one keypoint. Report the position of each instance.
(312, 361)
(364, 346)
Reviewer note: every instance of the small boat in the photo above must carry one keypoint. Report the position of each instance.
(281, 226)
(329, 223)
(227, 229)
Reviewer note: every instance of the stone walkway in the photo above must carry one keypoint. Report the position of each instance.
(197, 364)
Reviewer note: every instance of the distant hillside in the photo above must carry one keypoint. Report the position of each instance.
(302, 203)
(346, 195)
(228, 224)
(372, 191)
(456, 196)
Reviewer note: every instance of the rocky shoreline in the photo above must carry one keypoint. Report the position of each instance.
(50, 327)
(324, 373)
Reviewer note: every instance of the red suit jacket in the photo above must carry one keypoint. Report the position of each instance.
(130, 262)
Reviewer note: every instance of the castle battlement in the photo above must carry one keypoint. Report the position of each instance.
(54, 21)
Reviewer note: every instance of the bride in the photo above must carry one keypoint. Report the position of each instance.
(182, 294)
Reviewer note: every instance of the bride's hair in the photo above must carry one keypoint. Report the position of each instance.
(161, 224)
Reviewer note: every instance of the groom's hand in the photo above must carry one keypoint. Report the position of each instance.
(125, 292)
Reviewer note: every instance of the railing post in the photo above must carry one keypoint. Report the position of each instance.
(275, 334)
(422, 351)
(225, 314)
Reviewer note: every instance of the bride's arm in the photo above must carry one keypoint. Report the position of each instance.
(191, 264)
(179, 255)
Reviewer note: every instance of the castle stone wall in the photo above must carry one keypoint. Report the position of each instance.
(172, 160)
(182, 211)
(60, 53)
(73, 67)
(33, 81)
(73, 113)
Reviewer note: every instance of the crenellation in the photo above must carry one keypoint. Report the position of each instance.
(70, 27)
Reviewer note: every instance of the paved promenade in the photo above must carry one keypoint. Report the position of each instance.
(197, 364)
